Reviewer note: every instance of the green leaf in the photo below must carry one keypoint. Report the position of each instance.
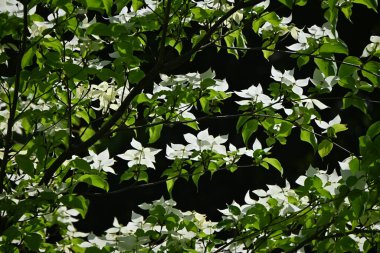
(267, 53)
(86, 133)
(94, 180)
(248, 129)
(326, 67)
(339, 128)
(241, 121)
(79, 203)
(80, 164)
(371, 70)
(234, 210)
(205, 104)
(27, 58)
(301, 2)
(137, 4)
(287, 3)
(170, 185)
(155, 132)
(307, 135)
(127, 175)
(33, 241)
(324, 148)
(99, 29)
(371, 4)
(52, 43)
(135, 75)
(347, 11)
(275, 163)
(141, 98)
(353, 100)
(25, 164)
(94, 5)
(302, 60)
(334, 46)
(347, 70)
(75, 71)
(198, 172)
(108, 6)
(374, 130)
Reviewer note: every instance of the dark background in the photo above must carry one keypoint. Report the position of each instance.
(214, 193)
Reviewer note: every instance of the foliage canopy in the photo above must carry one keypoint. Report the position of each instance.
(80, 73)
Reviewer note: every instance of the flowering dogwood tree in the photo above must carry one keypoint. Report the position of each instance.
(75, 74)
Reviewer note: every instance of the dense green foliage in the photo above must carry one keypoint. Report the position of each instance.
(78, 73)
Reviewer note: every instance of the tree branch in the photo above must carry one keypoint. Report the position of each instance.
(148, 79)
(13, 103)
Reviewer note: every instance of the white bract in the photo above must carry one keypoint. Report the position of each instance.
(288, 79)
(140, 155)
(204, 141)
(101, 161)
(373, 47)
(331, 123)
(38, 27)
(256, 146)
(254, 94)
(177, 151)
(315, 33)
(330, 182)
(281, 29)
(234, 154)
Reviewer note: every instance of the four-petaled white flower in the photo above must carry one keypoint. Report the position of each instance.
(288, 79)
(205, 141)
(302, 41)
(255, 94)
(325, 125)
(140, 155)
(100, 161)
(177, 151)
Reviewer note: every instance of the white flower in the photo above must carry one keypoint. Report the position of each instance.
(205, 141)
(4, 116)
(194, 80)
(373, 47)
(302, 42)
(177, 151)
(359, 241)
(234, 154)
(105, 93)
(14, 7)
(38, 27)
(315, 32)
(101, 161)
(282, 28)
(310, 102)
(333, 183)
(93, 240)
(319, 32)
(140, 155)
(255, 94)
(256, 146)
(288, 79)
(325, 125)
(330, 182)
